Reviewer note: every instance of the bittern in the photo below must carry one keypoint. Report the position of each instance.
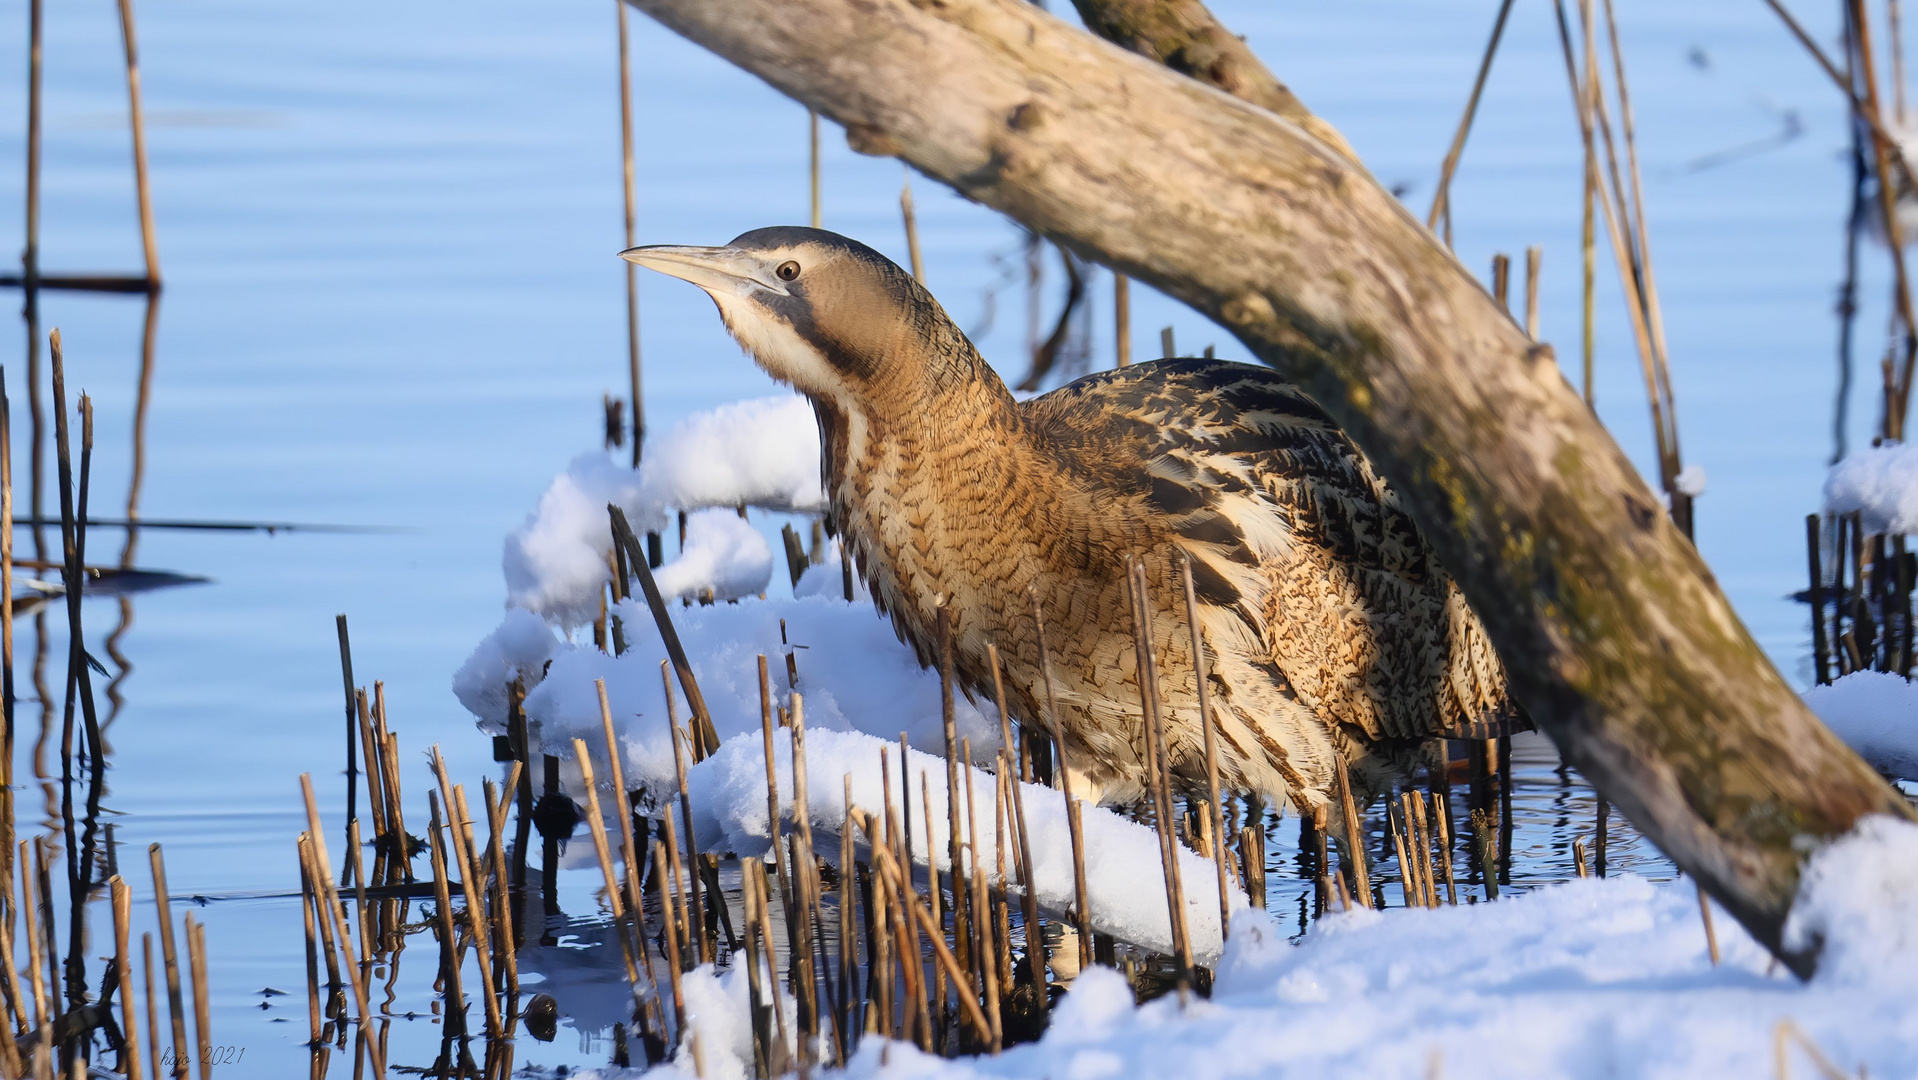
(1328, 626)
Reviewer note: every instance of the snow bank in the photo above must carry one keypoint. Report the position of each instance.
(517, 649)
(762, 453)
(1589, 979)
(853, 672)
(1881, 482)
(1123, 871)
(1859, 898)
(1876, 713)
(723, 553)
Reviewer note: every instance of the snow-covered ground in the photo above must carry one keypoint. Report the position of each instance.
(1591, 978)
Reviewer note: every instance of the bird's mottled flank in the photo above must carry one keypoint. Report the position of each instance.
(1330, 628)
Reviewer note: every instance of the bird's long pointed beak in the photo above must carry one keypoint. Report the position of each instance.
(715, 269)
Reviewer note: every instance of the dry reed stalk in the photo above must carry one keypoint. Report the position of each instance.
(596, 824)
(1168, 345)
(175, 1003)
(1422, 825)
(29, 909)
(804, 871)
(153, 1014)
(707, 739)
(1216, 806)
(323, 878)
(359, 889)
(948, 684)
(1159, 773)
(496, 805)
(375, 780)
(1882, 150)
(401, 851)
(6, 690)
(879, 984)
(202, 1012)
(812, 134)
(317, 898)
(989, 965)
(968, 1007)
(1122, 320)
(775, 818)
(312, 956)
(629, 849)
(1063, 773)
(912, 226)
(1441, 200)
(1354, 835)
(1035, 943)
(473, 890)
(455, 994)
(686, 812)
(122, 897)
(762, 1037)
(901, 896)
(848, 926)
(631, 197)
(672, 939)
(1894, 15)
(352, 720)
(1533, 255)
(1578, 858)
(765, 927)
(1003, 925)
(1502, 281)
(1442, 807)
(1705, 916)
(932, 880)
(1408, 876)
(999, 696)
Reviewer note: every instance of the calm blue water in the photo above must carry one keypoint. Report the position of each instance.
(387, 232)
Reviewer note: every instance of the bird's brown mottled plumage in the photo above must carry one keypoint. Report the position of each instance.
(1329, 626)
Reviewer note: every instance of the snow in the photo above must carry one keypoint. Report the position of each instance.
(1690, 481)
(517, 649)
(723, 553)
(760, 453)
(1881, 482)
(1124, 875)
(763, 452)
(1859, 898)
(1594, 978)
(853, 673)
(1876, 713)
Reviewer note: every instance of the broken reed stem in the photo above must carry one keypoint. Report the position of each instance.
(330, 898)
(762, 1039)
(707, 738)
(1441, 199)
(1705, 916)
(1354, 834)
(961, 917)
(912, 222)
(999, 696)
(496, 804)
(772, 954)
(672, 939)
(122, 895)
(153, 1014)
(596, 824)
(1215, 806)
(30, 909)
(686, 814)
(149, 242)
(812, 132)
(454, 993)
(1442, 803)
(1035, 942)
(1159, 772)
(629, 849)
(1063, 773)
(631, 197)
(1533, 255)
(1408, 872)
(472, 889)
(175, 1003)
(889, 868)
(932, 878)
(1122, 320)
(202, 1011)
(774, 816)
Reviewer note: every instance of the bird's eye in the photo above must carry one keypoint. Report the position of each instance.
(788, 270)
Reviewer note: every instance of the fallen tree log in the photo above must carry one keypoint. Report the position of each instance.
(1616, 636)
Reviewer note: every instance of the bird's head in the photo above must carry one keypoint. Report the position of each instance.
(824, 313)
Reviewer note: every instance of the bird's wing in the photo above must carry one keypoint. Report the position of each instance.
(1291, 532)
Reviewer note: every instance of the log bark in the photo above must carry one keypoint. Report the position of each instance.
(1617, 638)
(1186, 37)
